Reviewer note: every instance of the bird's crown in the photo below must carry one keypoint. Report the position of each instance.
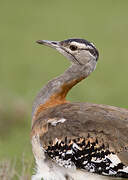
(81, 44)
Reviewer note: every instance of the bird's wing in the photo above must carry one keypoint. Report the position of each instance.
(87, 136)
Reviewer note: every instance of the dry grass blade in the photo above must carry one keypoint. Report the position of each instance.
(8, 170)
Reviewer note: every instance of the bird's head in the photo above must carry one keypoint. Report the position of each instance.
(78, 51)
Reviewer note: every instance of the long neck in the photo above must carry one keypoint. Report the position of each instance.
(55, 91)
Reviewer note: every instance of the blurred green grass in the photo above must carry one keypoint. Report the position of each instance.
(25, 66)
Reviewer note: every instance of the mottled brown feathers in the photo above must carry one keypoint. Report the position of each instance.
(106, 123)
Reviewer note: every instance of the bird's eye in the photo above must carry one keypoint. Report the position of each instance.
(73, 48)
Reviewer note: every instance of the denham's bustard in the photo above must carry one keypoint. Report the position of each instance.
(69, 139)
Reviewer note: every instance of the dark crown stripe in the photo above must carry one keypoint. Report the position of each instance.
(83, 41)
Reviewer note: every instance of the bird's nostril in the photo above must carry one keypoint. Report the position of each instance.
(39, 42)
(54, 42)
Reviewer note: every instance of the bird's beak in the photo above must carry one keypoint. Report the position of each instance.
(52, 44)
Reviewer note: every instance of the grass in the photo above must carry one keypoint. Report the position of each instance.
(9, 170)
(25, 66)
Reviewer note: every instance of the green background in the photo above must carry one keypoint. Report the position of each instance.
(25, 66)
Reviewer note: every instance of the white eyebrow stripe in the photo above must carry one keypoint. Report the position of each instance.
(81, 45)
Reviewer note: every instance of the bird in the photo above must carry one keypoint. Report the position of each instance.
(74, 140)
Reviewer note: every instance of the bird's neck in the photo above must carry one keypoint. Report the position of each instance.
(55, 91)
